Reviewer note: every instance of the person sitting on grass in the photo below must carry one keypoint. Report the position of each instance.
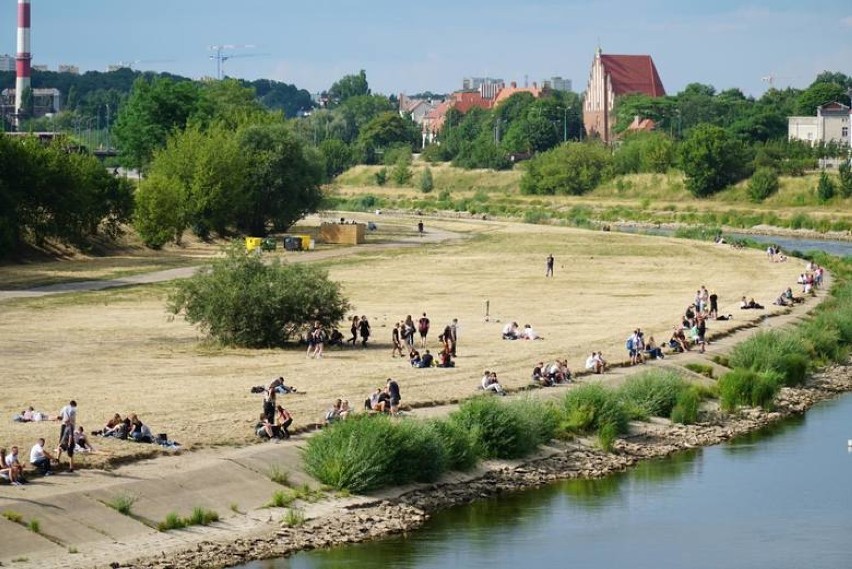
(780, 301)
(345, 410)
(378, 401)
(445, 359)
(7, 472)
(139, 431)
(652, 350)
(277, 385)
(750, 305)
(558, 372)
(110, 427)
(595, 363)
(678, 340)
(264, 429)
(333, 414)
(426, 361)
(81, 441)
(414, 358)
(540, 376)
(14, 466)
(788, 296)
(510, 331)
(336, 339)
(489, 383)
(285, 419)
(529, 333)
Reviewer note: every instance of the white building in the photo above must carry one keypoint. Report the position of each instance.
(831, 124)
(7, 62)
(557, 84)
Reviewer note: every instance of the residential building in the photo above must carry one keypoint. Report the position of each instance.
(557, 84)
(7, 62)
(69, 69)
(831, 124)
(612, 76)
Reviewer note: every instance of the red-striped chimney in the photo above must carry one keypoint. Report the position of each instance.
(23, 57)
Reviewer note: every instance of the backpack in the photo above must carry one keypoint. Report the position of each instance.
(629, 343)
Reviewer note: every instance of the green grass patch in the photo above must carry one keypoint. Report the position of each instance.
(687, 405)
(279, 475)
(590, 407)
(747, 387)
(122, 503)
(293, 518)
(701, 369)
(201, 517)
(13, 516)
(34, 526)
(651, 393)
(282, 499)
(778, 351)
(172, 521)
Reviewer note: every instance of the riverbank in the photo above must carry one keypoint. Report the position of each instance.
(405, 510)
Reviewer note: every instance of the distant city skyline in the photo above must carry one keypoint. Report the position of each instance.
(407, 47)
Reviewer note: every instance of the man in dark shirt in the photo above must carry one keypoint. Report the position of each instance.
(394, 394)
(549, 272)
(426, 360)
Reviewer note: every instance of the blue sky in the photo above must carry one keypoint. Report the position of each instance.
(414, 46)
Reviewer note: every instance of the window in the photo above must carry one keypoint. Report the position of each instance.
(844, 132)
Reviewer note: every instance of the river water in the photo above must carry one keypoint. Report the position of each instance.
(780, 498)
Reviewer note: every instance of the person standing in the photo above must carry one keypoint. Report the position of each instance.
(354, 330)
(714, 305)
(396, 339)
(423, 328)
(364, 328)
(420, 228)
(454, 336)
(549, 271)
(394, 396)
(68, 416)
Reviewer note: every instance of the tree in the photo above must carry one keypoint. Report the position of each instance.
(337, 156)
(427, 184)
(386, 130)
(401, 173)
(763, 184)
(825, 187)
(349, 86)
(573, 168)
(242, 301)
(711, 159)
(153, 110)
(819, 94)
(845, 172)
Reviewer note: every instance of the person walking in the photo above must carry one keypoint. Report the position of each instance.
(549, 271)
(420, 228)
(364, 328)
(68, 416)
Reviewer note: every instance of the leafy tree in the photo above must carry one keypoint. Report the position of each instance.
(283, 180)
(825, 188)
(349, 86)
(337, 156)
(819, 94)
(427, 184)
(153, 110)
(386, 130)
(763, 184)
(645, 152)
(401, 172)
(242, 301)
(711, 159)
(573, 168)
(227, 101)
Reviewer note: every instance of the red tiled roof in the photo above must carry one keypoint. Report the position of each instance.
(507, 92)
(466, 100)
(633, 74)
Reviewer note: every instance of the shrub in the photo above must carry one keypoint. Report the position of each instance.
(427, 184)
(711, 159)
(776, 351)
(459, 445)
(825, 188)
(589, 407)
(748, 387)
(763, 184)
(686, 407)
(845, 173)
(401, 172)
(607, 435)
(382, 177)
(34, 526)
(573, 168)
(540, 418)
(13, 516)
(242, 301)
(418, 453)
(499, 431)
(653, 393)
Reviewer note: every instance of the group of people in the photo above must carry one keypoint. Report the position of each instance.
(384, 399)
(551, 374)
(42, 460)
(130, 428)
(274, 420)
(512, 332)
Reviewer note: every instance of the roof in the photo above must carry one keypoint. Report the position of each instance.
(463, 101)
(640, 124)
(633, 74)
(833, 107)
(507, 92)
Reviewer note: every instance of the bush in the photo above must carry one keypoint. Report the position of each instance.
(573, 168)
(591, 406)
(427, 184)
(748, 387)
(711, 159)
(401, 173)
(686, 407)
(775, 351)
(652, 393)
(201, 517)
(541, 419)
(763, 184)
(241, 301)
(499, 430)
(382, 177)
(459, 445)
(825, 188)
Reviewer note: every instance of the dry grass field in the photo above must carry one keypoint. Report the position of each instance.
(118, 350)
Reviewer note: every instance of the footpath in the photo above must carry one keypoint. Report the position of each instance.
(77, 528)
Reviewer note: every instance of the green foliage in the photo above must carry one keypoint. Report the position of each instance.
(589, 407)
(401, 173)
(172, 521)
(748, 387)
(459, 445)
(242, 301)
(499, 429)
(388, 130)
(820, 93)
(711, 160)
(652, 393)
(825, 188)
(686, 407)
(282, 499)
(123, 503)
(293, 518)
(13, 516)
(427, 184)
(382, 177)
(780, 352)
(607, 435)
(701, 369)
(573, 168)
(34, 526)
(279, 475)
(201, 517)
(337, 155)
(651, 152)
(763, 184)
(349, 86)
(845, 173)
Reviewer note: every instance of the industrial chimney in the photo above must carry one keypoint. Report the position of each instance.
(22, 59)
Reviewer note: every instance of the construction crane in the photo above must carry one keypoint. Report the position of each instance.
(220, 56)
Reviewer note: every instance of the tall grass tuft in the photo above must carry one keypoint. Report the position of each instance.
(172, 521)
(590, 407)
(686, 407)
(459, 445)
(201, 517)
(748, 387)
(123, 503)
(652, 393)
(293, 518)
(774, 351)
(499, 430)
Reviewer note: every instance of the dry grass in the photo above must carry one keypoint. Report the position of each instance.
(118, 351)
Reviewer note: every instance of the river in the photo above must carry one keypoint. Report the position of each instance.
(778, 498)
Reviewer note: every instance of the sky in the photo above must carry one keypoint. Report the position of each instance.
(417, 46)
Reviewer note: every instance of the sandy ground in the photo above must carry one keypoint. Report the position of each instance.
(119, 351)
